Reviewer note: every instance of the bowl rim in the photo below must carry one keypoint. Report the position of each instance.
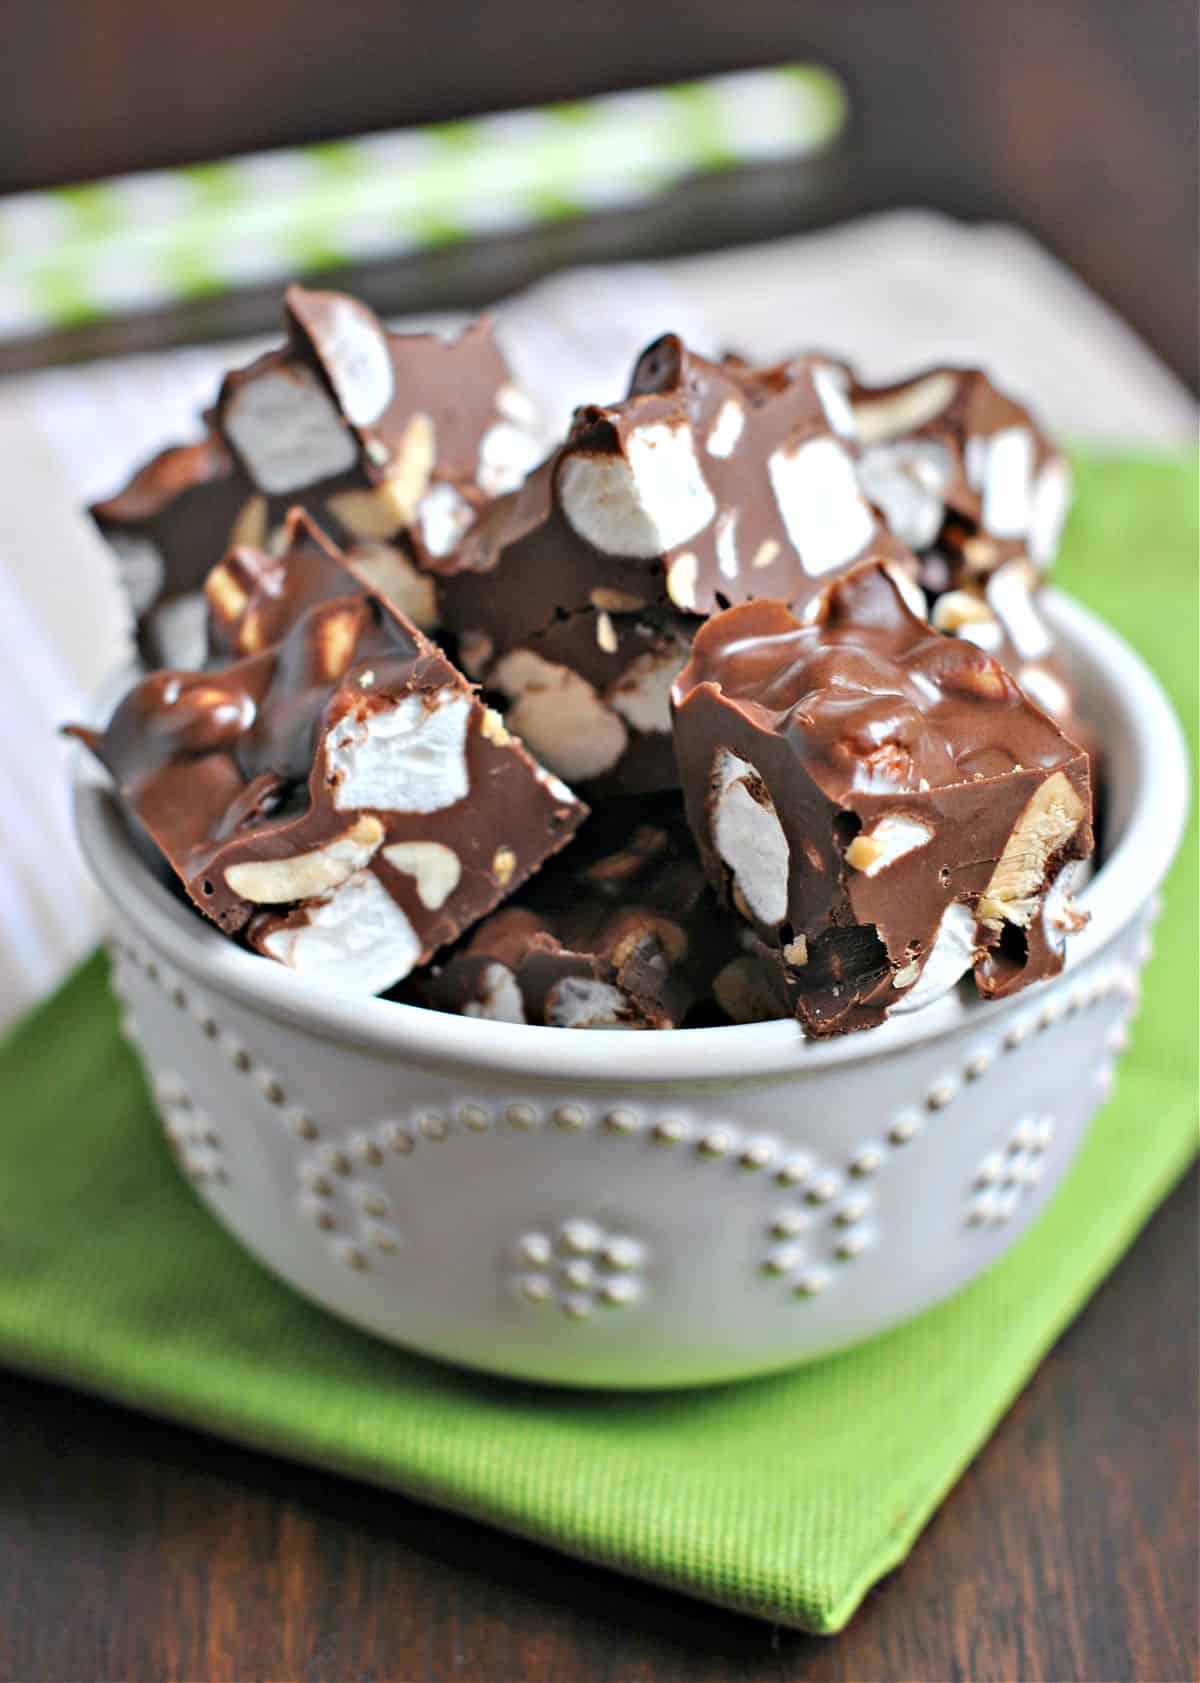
(731, 1053)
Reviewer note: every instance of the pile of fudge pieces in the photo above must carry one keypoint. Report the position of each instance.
(778, 629)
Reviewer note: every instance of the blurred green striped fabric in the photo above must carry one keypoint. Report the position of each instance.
(77, 254)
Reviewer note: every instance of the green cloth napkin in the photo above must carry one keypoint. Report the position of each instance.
(786, 1497)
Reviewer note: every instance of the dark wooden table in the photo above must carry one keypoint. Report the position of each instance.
(138, 1551)
(135, 1550)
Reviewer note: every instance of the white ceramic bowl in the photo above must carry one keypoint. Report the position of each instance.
(640, 1210)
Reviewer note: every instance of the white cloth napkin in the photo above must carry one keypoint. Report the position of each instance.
(892, 293)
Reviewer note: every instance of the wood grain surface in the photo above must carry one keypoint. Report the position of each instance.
(139, 1551)
(134, 1550)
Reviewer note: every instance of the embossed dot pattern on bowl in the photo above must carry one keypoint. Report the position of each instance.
(815, 1221)
(580, 1268)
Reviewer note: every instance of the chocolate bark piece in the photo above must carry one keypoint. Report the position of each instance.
(622, 931)
(882, 803)
(710, 483)
(166, 526)
(396, 441)
(961, 471)
(190, 505)
(341, 798)
(591, 696)
(522, 567)
(407, 432)
(968, 480)
(584, 696)
(581, 646)
(254, 595)
(516, 970)
(771, 463)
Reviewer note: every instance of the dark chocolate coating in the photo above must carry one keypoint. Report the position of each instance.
(867, 715)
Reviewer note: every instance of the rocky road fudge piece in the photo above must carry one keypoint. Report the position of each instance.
(575, 707)
(408, 432)
(387, 439)
(254, 596)
(341, 799)
(710, 483)
(165, 527)
(621, 932)
(581, 647)
(741, 479)
(516, 970)
(591, 696)
(961, 472)
(882, 803)
(967, 479)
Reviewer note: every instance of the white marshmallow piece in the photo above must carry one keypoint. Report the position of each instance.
(822, 508)
(726, 429)
(1011, 600)
(408, 757)
(355, 356)
(1008, 483)
(443, 517)
(499, 998)
(287, 431)
(356, 942)
(975, 460)
(830, 385)
(642, 503)
(642, 694)
(950, 957)
(1051, 503)
(886, 841)
(726, 544)
(878, 419)
(506, 455)
(749, 839)
(580, 1002)
(1059, 917)
(907, 481)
